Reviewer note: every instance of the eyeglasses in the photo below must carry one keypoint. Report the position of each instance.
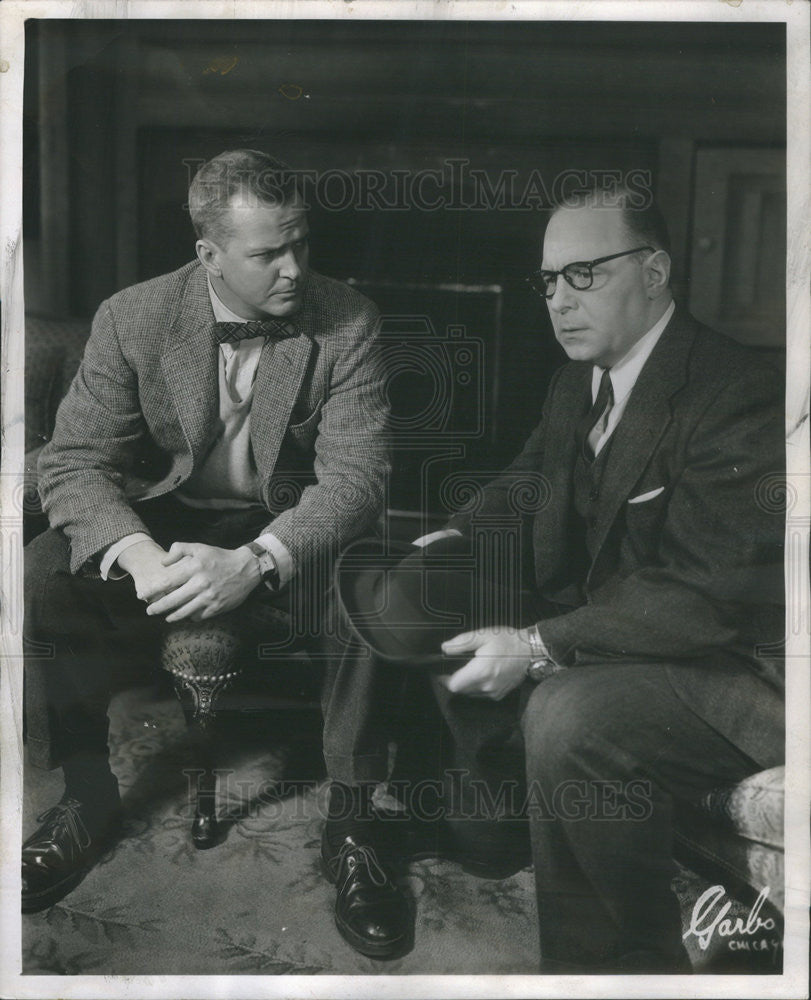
(579, 274)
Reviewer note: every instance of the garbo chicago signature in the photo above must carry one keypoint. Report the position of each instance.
(708, 917)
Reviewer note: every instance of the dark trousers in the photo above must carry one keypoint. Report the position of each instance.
(605, 750)
(83, 634)
(610, 749)
(365, 695)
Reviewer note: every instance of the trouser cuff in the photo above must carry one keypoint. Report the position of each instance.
(41, 754)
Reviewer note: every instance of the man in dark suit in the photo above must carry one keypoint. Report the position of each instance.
(224, 437)
(630, 671)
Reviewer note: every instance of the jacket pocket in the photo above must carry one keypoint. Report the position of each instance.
(645, 497)
(304, 431)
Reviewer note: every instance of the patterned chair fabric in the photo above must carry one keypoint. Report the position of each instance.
(205, 658)
(753, 809)
(738, 830)
(53, 349)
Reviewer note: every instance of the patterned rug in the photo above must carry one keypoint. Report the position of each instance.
(257, 903)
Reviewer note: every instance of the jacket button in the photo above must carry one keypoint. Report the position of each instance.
(594, 494)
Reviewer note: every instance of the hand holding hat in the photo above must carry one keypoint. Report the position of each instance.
(499, 664)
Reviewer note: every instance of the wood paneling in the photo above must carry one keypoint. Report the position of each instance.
(140, 97)
(738, 273)
(54, 203)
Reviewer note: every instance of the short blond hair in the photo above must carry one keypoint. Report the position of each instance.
(245, 173)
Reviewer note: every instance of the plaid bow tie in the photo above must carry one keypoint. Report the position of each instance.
(232, 333)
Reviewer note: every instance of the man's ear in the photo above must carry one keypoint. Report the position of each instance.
(657, 273)
(208, 255)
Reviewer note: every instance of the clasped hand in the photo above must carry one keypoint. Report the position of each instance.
(499, 664)
(191, 580)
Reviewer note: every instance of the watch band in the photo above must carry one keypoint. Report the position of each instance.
(536, 644)
(541, 665)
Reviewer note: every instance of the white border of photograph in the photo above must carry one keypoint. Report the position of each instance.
(794, 980)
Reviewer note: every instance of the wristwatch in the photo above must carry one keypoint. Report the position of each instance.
(268, 570)
(541, 665)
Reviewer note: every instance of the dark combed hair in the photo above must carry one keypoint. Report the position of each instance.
(643, 219)
(246, 173)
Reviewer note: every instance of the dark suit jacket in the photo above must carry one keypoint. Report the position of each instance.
(693, 575)
(142, 413)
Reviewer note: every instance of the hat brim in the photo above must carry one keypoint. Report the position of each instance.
(400, 634)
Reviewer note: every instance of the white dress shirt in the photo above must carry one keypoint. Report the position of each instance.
(227, 479)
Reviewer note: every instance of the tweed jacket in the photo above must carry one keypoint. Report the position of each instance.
(687, 563)
(142, 413)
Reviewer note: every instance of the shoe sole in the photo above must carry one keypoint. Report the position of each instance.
(219, 834)
(208, 843)
(389, 950)
(35, 902)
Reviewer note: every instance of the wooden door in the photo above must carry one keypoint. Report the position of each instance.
(738, 255)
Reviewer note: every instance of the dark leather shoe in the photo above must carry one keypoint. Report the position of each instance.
(59, 854)
(371, 913)
(206, 831)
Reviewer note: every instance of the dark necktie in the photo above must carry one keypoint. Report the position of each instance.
(597, 415)
(232, 333)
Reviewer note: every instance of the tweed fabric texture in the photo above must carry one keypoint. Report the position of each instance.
(141, 414)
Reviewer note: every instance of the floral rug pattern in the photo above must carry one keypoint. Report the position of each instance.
(257, 903)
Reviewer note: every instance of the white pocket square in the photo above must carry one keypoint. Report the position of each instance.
(647, 496)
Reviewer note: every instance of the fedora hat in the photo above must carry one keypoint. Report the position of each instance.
(404, 601)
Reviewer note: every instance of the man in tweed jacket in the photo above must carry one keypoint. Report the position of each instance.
(225, 431)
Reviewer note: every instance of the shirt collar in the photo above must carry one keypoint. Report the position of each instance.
(626, 371)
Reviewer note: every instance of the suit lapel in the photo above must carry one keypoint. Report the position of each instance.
(644, 421)
(190, 365)
(572, 397)
(278, 380)
(572, 400)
